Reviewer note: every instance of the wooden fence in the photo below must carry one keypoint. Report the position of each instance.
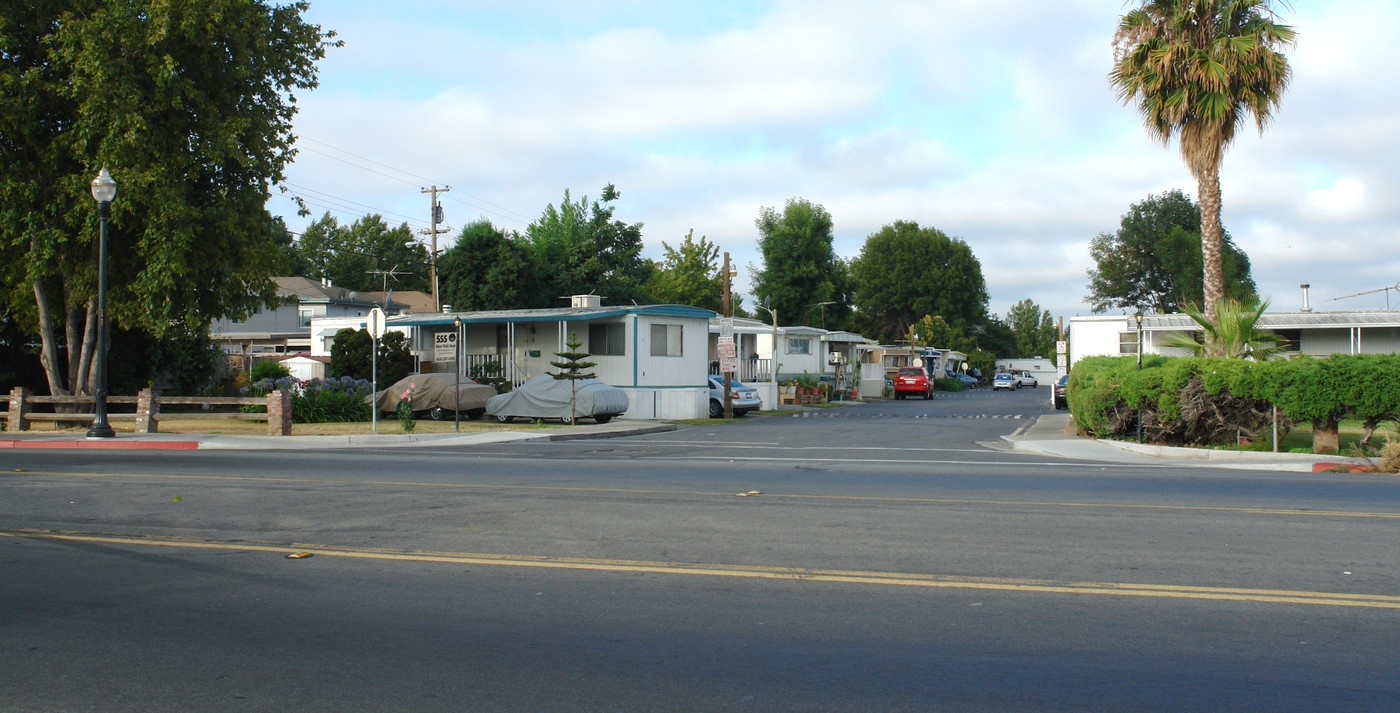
(22, 409)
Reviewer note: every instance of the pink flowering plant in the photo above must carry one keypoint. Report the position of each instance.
(405, 408)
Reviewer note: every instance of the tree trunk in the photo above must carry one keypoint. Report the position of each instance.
(48, 353)
(1212, 238)
(81, 343)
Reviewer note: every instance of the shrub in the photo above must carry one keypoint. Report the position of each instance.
(1195, 400)
(318, 400)
(946, 384)
(267, 369)
(1390, 457)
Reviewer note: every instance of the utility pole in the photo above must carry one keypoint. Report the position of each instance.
(728, 314)
(435, 211)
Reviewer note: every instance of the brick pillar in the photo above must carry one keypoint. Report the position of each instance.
(17, 421)
(279, 413)
(146, 411)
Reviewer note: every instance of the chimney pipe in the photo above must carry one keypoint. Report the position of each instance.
(1306, 308)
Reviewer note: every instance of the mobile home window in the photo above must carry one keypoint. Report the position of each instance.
(799, 346)
(666, 340)
(607, 339)
(1127, 342)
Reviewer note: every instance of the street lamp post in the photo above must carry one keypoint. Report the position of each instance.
(104, 189)
(1138, 318)
(457, 376)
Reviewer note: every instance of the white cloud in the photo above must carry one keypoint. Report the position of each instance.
(991, 121)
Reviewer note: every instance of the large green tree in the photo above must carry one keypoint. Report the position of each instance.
(1034, 329)
(189, 105)
(800, 268)
(1153, 262)
(1196, 69)
(360, 256)
(489, 269)
(583, 249)
(905, 271)
(689, 274)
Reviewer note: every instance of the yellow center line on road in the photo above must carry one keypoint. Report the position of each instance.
(766, 494)
(1041, 586)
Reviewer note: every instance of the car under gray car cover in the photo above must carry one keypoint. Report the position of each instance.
(547, 397)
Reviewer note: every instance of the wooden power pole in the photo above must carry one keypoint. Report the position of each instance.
(435, 218)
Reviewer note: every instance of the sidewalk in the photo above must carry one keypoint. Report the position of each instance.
(186, 441)
(1053, 435)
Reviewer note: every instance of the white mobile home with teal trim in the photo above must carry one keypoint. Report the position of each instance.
(658, 354)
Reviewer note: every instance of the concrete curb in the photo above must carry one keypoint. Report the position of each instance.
(396, 440)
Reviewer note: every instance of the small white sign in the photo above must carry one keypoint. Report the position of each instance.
(1062, 347)
(728, 365)
(726, 328)
(375, 323)
(445, 347)
(726, 348)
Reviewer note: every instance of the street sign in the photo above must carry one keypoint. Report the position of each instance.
(375, 323)
(728, 365)
(726, 328)
(726, 348)
(445, 347)
(1062, 347)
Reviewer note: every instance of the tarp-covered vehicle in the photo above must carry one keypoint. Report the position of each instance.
(433, 396)
(547, 397)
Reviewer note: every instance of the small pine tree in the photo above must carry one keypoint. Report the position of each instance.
(572, 368)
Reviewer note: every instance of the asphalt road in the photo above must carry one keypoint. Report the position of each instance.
(880, 558)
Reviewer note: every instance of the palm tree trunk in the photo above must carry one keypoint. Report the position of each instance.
(1212, 233)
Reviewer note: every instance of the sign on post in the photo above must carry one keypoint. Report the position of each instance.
(445, 347)
(375, 323)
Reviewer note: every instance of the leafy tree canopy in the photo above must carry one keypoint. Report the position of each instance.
(1153, 262)
(583, 249)
(689, 275)
(357, 256)
(489, 269)
(1034, 330)
(905, 271)
(800, 268)
(189, 104)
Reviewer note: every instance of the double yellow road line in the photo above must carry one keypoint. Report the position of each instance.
(897, 579)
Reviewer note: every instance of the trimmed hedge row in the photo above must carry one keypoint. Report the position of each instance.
(1183, 400)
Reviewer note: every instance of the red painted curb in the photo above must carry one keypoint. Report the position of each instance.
(106, 445)
(1342, 468)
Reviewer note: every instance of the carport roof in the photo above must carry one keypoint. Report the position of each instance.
(556, 314)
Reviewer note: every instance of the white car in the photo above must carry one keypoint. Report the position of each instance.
(742, 397)
(1006, 381)
(1025, 378)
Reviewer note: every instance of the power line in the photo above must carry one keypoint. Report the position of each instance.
(499, 210)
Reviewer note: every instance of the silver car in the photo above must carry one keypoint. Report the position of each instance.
(742, 398)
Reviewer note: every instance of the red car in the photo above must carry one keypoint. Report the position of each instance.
(912, 381)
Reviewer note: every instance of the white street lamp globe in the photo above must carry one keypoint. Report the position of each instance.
(104, 188)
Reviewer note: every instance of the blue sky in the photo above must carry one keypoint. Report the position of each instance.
(992, 121)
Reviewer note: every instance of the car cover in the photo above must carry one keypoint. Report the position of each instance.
(547, 397)
(433, 391)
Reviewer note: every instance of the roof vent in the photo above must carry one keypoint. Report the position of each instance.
(586, 301)
(1306, 308)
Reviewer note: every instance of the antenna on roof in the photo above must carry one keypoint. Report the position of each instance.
(1386, 290)
(393, 272)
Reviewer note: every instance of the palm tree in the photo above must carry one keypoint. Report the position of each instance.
(1233, 333)
(1196, 68)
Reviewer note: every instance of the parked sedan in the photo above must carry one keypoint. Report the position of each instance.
(742, 397)
(912, 381)
(1005, 381)
(1059, 395)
